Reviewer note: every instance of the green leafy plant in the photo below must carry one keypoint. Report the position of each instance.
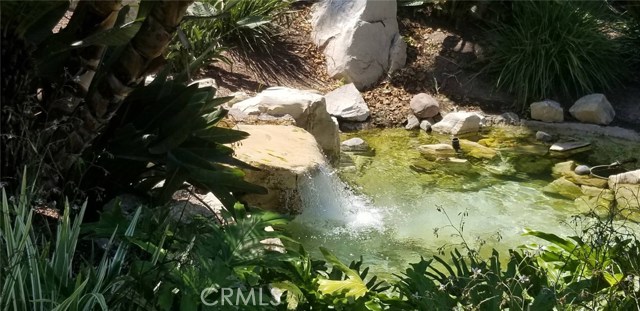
(553, 49)
(243, 27)
(36, 275)
(169, 133)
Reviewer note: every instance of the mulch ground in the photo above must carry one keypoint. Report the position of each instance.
(442, 60)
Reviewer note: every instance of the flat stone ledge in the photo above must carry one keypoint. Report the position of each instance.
(582, 128)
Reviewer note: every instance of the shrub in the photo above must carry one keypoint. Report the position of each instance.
(243, 27)
(37, 275)
(553, 49)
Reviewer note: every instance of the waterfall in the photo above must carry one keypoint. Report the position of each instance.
(334, 208)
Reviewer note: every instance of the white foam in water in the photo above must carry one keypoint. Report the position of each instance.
(328, 198)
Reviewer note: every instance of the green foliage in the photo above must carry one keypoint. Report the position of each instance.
(554, 49)
(169, 133)
(243, 27)
(36, 275)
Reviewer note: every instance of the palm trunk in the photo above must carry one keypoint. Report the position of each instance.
(137, 60)
(89, 17)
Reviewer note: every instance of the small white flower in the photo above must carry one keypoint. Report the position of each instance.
(476, 272)
(523, 279)
(442, 287)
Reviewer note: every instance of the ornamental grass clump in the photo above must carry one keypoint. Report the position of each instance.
(554, 49)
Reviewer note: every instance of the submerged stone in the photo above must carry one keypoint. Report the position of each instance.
(436, 151)
(563, 187)
(477, 150)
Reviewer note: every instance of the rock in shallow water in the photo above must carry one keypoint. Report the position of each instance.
(544, 136)
(457, 123)
(354, 144)
(582, 170)
(412, 122)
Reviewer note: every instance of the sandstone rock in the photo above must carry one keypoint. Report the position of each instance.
(566, 169)
(359, 38)
(563, 187)
(477, 150)
(590, 191)
(347, 103)
(458, 123)
(424, 106)
(425, 125)
(412, 122)
(544, 136)
(307, 108)
(436, 151)
(547, 111)
(563, 168)
(594, 108)
(284, 155)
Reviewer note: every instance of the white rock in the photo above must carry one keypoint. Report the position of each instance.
(547, 111)
(425, 125)
(632, 177)
(424, 106)
(307, 108)
(284, 155)
(568, 146)
(347, 103)
(359, 38)
(412, 122)
(206, 82)
(354, 144)
(626, 187)
(458, 123)
(594, 108)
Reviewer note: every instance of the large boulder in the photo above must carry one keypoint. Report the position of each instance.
(308, 109)
(284, 155)
(347, 103)
(424, 106)
(547, 111)
(456, 123)
(594, 108)
(359, 38)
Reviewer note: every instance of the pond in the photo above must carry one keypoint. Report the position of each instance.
(392, 205)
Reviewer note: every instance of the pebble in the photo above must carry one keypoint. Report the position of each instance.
(544, 136)
(582, 170)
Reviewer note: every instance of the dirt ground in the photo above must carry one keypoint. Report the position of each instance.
(441, 60)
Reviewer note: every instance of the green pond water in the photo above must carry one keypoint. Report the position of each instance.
(385, 206)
